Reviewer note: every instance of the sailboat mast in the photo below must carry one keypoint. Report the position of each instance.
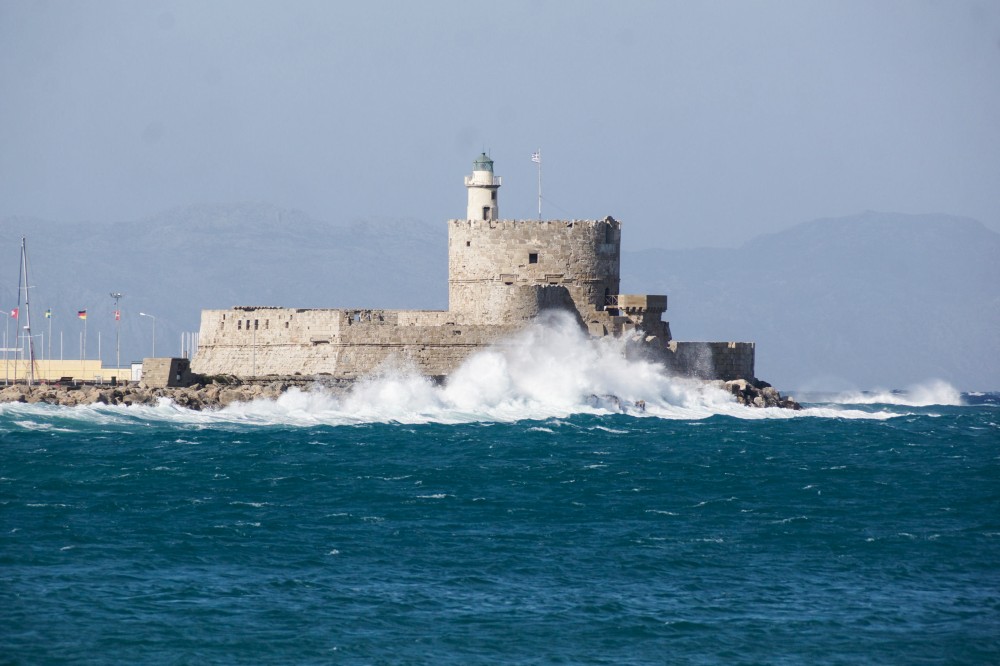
(27, 315)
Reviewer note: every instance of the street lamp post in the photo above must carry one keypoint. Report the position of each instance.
(143, 314)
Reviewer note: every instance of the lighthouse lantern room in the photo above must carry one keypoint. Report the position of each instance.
(483, 186)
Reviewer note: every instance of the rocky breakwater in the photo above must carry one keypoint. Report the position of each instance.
(220, 392)
(757, 393)
(212, 395)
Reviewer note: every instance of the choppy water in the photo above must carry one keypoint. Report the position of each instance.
(403, 526)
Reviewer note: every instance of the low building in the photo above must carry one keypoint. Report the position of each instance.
(14, 368)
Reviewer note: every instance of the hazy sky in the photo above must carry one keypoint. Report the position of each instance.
(695, 123)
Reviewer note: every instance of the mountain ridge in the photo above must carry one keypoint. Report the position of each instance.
(889, 299)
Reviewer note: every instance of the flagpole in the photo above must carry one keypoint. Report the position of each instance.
(6, 367)
(539, 162)
(118, 327)
(17, 312)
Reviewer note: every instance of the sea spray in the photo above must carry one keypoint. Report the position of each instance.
(931, 392)
(549, 370)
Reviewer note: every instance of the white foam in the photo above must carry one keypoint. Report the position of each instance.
(549, 371)
(931, 392)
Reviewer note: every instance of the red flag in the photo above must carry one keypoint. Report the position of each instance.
(118, 315)
(13, 313)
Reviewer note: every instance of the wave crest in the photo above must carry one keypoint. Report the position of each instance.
(926, 394)
(551, 369)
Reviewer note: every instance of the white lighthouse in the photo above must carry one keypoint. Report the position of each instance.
(483, 187)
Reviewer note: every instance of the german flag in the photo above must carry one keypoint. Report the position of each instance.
(82, 314)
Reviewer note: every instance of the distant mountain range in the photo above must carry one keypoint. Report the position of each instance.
(873, 300)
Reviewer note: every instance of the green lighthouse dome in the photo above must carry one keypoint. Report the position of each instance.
(483, 163)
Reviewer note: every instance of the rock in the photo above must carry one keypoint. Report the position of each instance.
(218, 394)
(756, 393)
(228, 396)
(13, 394)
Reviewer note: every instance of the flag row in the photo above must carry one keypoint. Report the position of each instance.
(80, 314)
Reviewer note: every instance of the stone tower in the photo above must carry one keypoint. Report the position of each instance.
(482, 185)
(503, 271)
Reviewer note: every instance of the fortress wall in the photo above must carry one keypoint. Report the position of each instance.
(424, 317)
(345, 344)
(270, 325)
(507, 303)
(267, 325)
(484, 256)
(711, 360)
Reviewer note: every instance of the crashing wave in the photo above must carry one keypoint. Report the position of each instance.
(550, 370)
(930, 393)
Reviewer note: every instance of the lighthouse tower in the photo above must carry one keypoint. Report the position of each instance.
(482, 185)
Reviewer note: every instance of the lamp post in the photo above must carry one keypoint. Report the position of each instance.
(117, 295)
(143, 314)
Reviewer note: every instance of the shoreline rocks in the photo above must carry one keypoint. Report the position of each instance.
(195, 397)
(219, 392)
(760, 394)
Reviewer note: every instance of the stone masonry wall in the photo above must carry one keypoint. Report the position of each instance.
(711, 360)
(165, 372)
(344, 344)
(487, 257)
(348, 344)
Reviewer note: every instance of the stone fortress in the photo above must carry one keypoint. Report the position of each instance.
(501, 275)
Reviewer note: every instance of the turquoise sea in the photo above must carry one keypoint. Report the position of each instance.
(291, 532)
(553, 503)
